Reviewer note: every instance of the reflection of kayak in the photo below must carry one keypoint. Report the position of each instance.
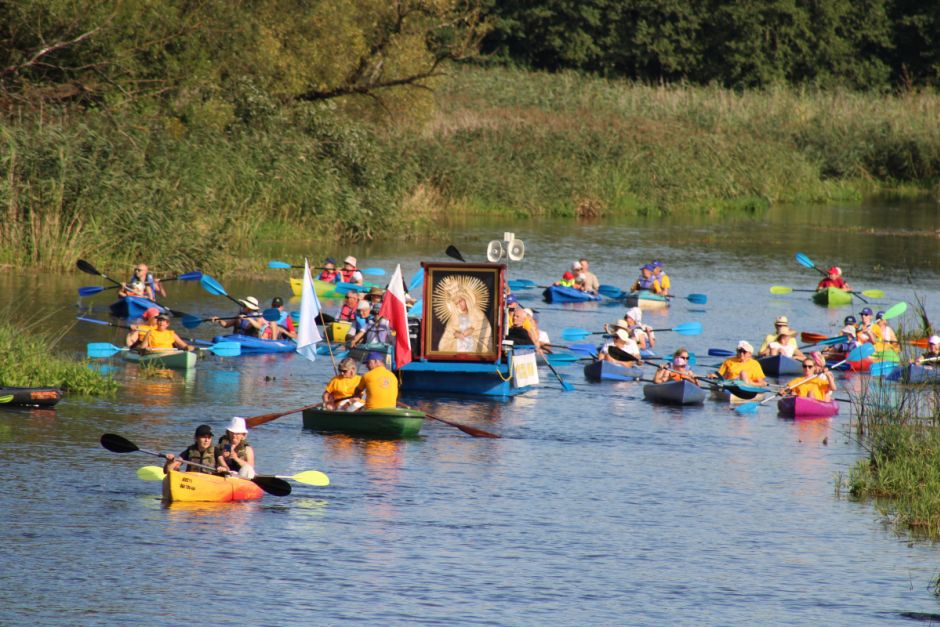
(780, 365)
(395, 422)
(133, 307)
(181, 360)
(674, 393)
(257, 345)
(602, 370)
(645, 299)
(562, 294)
(800, 407)
(832, 297)
(199, 486)
(29, 397)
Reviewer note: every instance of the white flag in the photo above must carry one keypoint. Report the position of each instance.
(307, 333)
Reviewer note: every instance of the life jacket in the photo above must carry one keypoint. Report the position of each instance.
(240, 450)
(161, 340)
(378, 333)
(348, 276)
(246, 328)
(567, 283)
(645, 284)
(679, 376)
(329, 276)
(206, 458)
(347, 313)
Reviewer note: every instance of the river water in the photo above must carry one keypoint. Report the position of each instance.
(595, 507)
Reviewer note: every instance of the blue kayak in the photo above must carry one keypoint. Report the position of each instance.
(561, 294)
(780, 365)
(602, 370)
(133, 307)
(254, 345)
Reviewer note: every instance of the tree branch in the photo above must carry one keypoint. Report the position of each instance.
(34, 60)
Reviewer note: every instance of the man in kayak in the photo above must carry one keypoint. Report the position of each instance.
(350, 305)
(349, 273)
(237, 454)
(369, 326)
(248, 322)
(833, 279)
(341, 389)
(379, 384)
(163, 338)
(782, 322)
(677, 370)
(147, 323)
(742, 366)
(589, 279)
(882, 333)
(142, 284)
(646, 281)
(202, 451)
(522, 330)
(661, 277)
(932, 356)
(816, 382)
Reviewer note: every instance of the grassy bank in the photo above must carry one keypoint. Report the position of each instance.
(184, 193)
(30, 360)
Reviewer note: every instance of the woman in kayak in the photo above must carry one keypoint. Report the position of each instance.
(833, 279)
(784, 344)
(163, 338)
(237, 454)
(678, 370)
(883, 333)
(623, 351)
(742, 366)
(248, 321)
(329, 274)
(135, 336)
(932, 356)
(816, 382)
(202, 451)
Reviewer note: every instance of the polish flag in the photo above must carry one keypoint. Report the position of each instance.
(393, 310)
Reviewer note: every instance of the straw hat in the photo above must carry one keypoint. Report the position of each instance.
(350, 260)
(250, 303)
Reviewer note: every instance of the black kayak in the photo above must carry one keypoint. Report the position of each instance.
(29, 397)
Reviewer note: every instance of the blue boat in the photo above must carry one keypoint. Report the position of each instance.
(674, 393)
(561, 294)
(913, 373)
(133, 307)
(603, 370)
(645, 299)
(780, 365)
(460, 377)
(254, 345)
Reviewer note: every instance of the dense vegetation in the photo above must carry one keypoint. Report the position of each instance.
(184, 132)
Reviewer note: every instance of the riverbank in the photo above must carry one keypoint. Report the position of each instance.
(499, 141)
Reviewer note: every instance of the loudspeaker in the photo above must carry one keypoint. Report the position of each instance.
(516, 250)
(494, 251)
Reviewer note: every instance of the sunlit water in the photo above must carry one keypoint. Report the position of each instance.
(594, 508)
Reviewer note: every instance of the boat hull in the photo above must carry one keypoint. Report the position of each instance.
(373, 423)
(911, 373)
(780, 365)
(470, 378)
(806, 408)
(179, 360)
(674, 393)
(193, 487)
(603, 370)
(324, 289)
(29, 397)
(646, 300)
(832, 297)
(254, 345)
(561, 294)
(132, 307)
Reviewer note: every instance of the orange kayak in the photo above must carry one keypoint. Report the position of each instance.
(201, 487)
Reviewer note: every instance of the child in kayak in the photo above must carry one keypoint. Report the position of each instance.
(833, 279)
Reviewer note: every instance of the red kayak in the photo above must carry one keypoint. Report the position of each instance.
(801, 407)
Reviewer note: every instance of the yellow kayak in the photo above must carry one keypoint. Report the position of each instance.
(199, 486)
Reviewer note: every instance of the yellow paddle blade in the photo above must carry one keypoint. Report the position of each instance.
(312, 477)
(6, 399)
(780, 289)
(150, 473)
(873, 293)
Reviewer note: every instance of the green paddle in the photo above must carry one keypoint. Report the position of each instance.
(685, 328)
(308, 477)
(780, 289)
(8, 398)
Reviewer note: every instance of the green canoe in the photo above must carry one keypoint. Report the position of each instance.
(181, 360)
(376, 423)
(832, 297)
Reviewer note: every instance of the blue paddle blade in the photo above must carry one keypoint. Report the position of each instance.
(373, 271)
(698, 299)
(417, 308)
(212, 286)
(561, 359)
(91, 290)
(195, 275)
(279, 265)
(747, 408)
(574, 334)
(565, 386)
(883, 368)
(271, 315)
(295, 316)
(226, 349)
(416, 280)
(610, 291)
(345, 288)
(861, 352)
(587, 349)
(688, 328)
(804, 261)
(720, 352)
(829, 341)
(97, 350)
(516, 284)
(104, 323)
(190, 321)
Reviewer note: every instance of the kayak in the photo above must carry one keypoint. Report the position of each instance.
(603, 370)
(255, 345)
(199, 486)
(337, 331)
(394, 422)
(722, 394)
(362, 351)
(325, 289)
(180, 360)
(674, 393)
(832, 297)
(29, 397)
(780, 365)
(562, 294)
(911, 373)
(645, 299)
(801, 407)
(133, 307)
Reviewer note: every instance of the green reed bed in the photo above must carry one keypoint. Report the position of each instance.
(30, 360)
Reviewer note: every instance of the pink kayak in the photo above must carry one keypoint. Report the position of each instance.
(800, 407)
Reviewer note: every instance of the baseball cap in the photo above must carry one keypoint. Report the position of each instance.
(865, 312)
(849, 320)
(744, 344)
(511, 300)
(879, 315)
(329, 260)
(152, 312)
(836, 270)
(567, 276)
(277, 301)
(203, 430)
(934, 339)
(656, 263)
(647, 267)
(162, 316)
(376, 355)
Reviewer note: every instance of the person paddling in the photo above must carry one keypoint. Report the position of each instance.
(284, 325)
(142, 284)
(646, 281)
(135, 336)
(202, 451)
(819, 387)
(883, 333)
(379, 384)
(341, 389)
(782, 322)
(237, 454)
(522, 331)
(742, 366)
(589, 279)
(863, 330)
(833, 278)
(347, 312)
(677, 370)
(623, 350)
(248, 321)
(661, 277)
(932, 356)
(349, 273)
(329, 273)
(163, 338)
(567, 280)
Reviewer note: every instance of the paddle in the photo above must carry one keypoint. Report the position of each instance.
(565, 386)
(453, 253)
(215, 288)
(308, 477)
(587, 348)
(90, 290)
(99, 350)
(6, 399)
(271, 315)
(612, 291)
(280, 265)
(828, 341)
(806, 262)
(780, 289)
(344, 288)
(477, 433)
(521, 284)
(857, 354)
(883, 368)
(685, 328)
(87, 268)
(118, 444)
(256, 421)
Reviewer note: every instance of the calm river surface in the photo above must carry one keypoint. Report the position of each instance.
(594, 508)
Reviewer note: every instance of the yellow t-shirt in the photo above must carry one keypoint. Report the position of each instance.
(664, 282)
(161, 340)
(343, 387)
(381, 388)
(732, 369)
(817, 387)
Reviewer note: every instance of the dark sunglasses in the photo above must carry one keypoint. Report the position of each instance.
(809, 366)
